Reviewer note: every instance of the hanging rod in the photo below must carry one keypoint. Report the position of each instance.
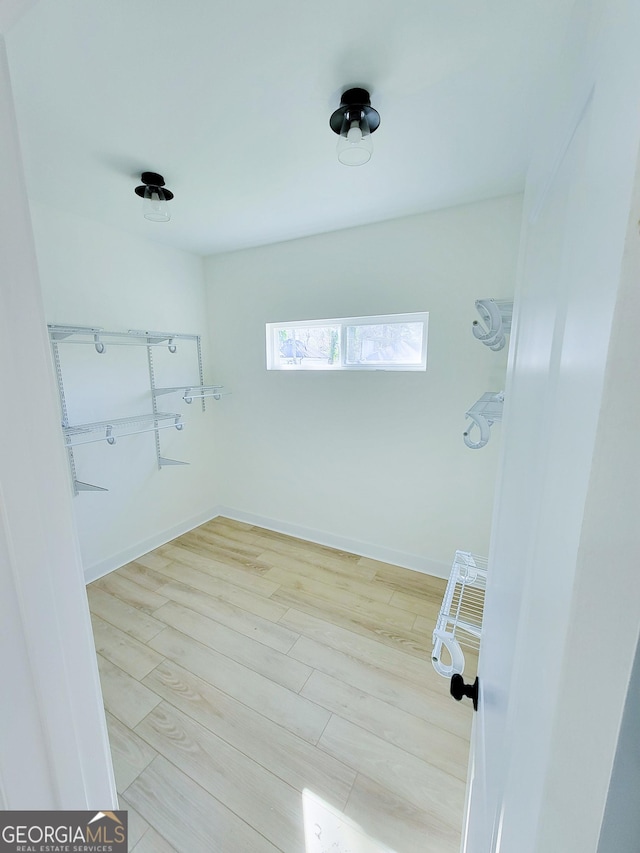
(78, 434)
(194, 392)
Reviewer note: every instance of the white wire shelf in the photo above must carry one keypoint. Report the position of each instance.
(193, 392)
(99, 338)
(78, 434)
(459, 622)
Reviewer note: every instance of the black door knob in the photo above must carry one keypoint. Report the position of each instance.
(459, 689)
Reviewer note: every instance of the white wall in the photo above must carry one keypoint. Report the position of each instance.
(97, 276)
(372, 461)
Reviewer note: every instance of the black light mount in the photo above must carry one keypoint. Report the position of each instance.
(355, 105)
(153, 181)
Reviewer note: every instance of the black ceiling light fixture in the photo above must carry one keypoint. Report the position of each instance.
(156, 196)
(354, 121)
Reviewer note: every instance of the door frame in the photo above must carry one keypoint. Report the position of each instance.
(54, 752)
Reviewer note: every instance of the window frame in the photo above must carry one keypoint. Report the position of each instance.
(273, 354)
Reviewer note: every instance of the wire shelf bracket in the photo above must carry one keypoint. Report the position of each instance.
(483, 414)
(78, 486)
(495, 322)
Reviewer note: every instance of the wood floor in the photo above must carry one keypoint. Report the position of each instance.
(258, 688)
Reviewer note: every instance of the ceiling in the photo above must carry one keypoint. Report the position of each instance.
(230, 101)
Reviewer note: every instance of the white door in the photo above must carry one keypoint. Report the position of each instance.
(54, 750)
(561, 622)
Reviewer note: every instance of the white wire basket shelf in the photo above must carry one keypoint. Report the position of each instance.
(459, 624)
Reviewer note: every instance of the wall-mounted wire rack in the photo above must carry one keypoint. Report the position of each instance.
(494, 323)
(459, 623)
(193, 392)
(100, 339)
(154, 421)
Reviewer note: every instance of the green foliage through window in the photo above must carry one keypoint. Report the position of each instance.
(391, 342)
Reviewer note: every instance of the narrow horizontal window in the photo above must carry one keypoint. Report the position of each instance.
(383, 342)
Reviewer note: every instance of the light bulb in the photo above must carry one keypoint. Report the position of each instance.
(354, 136)
(355, 147)
(154, 206)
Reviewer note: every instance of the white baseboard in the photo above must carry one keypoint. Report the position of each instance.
(98, 570)
(417, 562)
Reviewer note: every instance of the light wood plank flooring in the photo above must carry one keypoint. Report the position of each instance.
(246, 674)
